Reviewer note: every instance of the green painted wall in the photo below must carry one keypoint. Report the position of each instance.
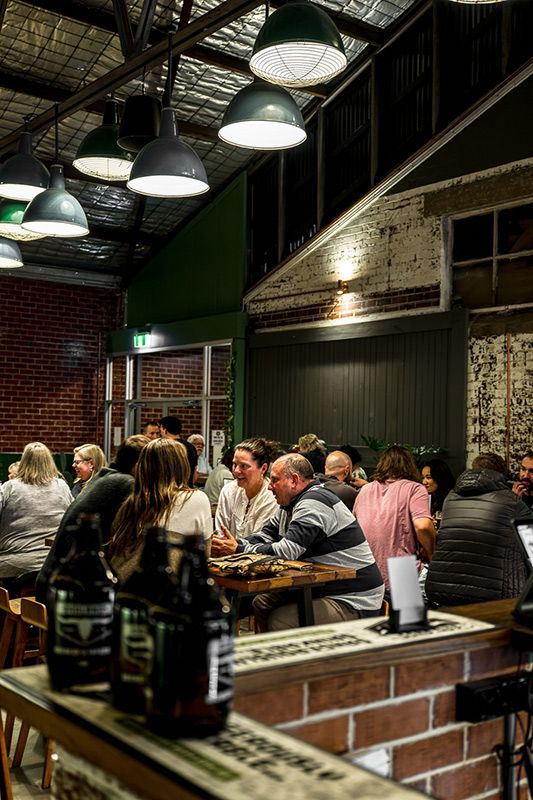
(201, 272)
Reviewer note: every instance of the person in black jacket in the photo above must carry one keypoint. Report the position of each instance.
(478, 557)
(104, 496)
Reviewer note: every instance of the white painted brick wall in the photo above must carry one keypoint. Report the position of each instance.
(487, 396)
(390, 247)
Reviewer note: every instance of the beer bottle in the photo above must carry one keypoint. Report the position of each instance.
(132, 641)
(167, 628)
(202, 681)
(80, 611)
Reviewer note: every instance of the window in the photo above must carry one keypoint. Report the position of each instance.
(492, 258)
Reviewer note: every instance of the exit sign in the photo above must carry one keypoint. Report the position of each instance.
(141, 340)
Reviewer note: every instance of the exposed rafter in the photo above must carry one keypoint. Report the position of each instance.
(96, 18)
(125, 33)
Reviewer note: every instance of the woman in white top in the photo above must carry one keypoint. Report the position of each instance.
(245, 505)
(31, 508)
(161, 496)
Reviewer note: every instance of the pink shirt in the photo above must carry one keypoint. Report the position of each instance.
(385, 512)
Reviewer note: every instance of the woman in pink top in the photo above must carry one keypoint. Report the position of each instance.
(393, 510)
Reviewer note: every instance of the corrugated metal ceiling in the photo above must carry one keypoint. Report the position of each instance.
(52, 49)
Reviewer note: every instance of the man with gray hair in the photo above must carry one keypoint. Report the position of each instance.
(311, 524)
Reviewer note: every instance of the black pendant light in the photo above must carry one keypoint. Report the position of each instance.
(55, 212)
(10, 255)
(23, 176)
(141, 120)
(167, 167)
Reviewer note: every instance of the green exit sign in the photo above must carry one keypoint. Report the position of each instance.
(141, 340)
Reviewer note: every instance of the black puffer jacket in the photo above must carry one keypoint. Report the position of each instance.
(477, 557)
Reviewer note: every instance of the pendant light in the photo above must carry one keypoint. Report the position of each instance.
(23, 176)
(263, 117)
(55, 212)
(299, 45)
(10, 255)
(141, 120)
(99, 155)
(167, 167)
(11, 214)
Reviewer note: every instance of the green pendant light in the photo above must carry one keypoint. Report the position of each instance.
(299, 45)
(23, 176)
(263, 117)
(55, 212)
(167, 167)
(11, 214)
(99, 155)
(10, 255)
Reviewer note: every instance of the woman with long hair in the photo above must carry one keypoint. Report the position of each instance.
(438, 479)
(31, 508)
(393, 510)
(161, 496)
(88, 460)
(245, 505)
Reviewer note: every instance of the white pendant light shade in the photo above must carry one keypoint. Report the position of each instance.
(167, 167)
(23, 177)
(263, 117)
(299, 45)
(10, 255)
(99, 155)
(56, 212)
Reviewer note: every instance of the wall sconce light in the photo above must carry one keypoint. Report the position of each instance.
(342, 287)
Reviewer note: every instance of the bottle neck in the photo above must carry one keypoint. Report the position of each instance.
(155, 551)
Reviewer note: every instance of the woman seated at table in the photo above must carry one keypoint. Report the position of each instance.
(438, 479)
(31, 507)
(161, 496)
(245, 505)
(88, 460)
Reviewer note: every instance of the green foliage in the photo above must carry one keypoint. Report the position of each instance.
(229, 429)
(420, 452)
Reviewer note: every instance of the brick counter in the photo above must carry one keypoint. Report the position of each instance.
(400, 702)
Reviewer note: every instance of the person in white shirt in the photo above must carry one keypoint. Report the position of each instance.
(203, 468)
(245, 505)
(161, 496)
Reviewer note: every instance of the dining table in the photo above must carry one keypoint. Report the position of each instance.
(294, 578)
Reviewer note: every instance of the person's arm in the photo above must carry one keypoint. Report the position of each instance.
(224, 544)
(426, 533)
(223, 514)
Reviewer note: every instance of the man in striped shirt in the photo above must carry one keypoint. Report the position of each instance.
(312, 524)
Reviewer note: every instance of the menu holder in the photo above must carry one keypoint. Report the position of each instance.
(407, 611)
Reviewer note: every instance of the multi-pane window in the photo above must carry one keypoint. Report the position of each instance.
(492, 258)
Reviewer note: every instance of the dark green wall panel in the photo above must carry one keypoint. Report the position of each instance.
(201, 271)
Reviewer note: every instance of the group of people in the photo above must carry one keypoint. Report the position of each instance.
(307, 505)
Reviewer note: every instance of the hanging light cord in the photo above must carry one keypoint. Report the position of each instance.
(56, 128)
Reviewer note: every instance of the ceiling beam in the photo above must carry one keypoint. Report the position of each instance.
(144, 25)
(55, 93)
(124, 30)
(96, 18)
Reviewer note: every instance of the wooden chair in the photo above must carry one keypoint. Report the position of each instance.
(34, 613)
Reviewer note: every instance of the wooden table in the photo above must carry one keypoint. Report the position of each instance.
(291, 580)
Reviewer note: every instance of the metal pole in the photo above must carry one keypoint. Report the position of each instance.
(508, 757)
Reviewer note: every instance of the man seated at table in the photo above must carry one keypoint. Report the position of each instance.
(312, 524)
(337, 472)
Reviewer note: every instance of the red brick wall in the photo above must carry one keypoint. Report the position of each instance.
(349, 306)
(52, 362)
(408, 710)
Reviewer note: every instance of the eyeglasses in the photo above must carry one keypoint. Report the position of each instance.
(80, 460)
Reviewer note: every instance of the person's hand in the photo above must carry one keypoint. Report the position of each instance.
(357, 483)
(223, 543)
(519, 488)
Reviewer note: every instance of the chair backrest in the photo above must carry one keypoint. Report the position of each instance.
(33, 612)
(11, 607)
